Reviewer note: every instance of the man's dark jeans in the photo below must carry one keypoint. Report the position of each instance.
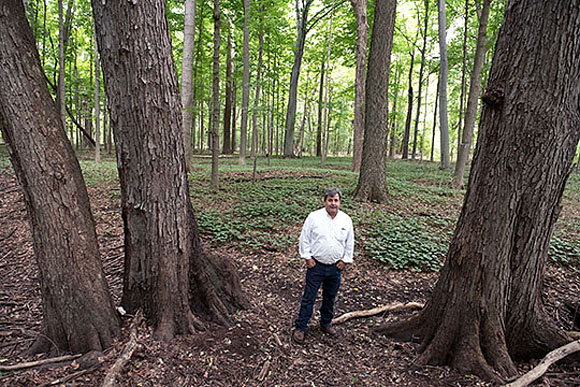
(329, 277)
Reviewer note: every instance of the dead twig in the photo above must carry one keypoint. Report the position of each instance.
(372, 312)
(547, 361)
(264, 371)
(72, 376)
(36, 363)
(126, 354)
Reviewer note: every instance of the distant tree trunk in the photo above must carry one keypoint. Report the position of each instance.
(78, 312)
(360, 12)
(227, 147)
(298, 145)
(474, 88)
(301, 20)
(245, 84)
(425, 118)
(393, 123)
(97, 102)
(257, 96)
(233, 115)
(463, 70)
(372, 182)
(167, 273)
(421, 68)
(434, 122)
(487, 307)
(443, 118)
(320, 105)
(215, 137)
(327, 83)
(187, 96)
(61, 85)
(406, 135)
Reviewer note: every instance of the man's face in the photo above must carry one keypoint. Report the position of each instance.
(332, 204)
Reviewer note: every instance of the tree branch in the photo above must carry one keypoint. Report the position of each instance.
(372, 312)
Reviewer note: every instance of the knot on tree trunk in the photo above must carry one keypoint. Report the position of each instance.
(493, 97)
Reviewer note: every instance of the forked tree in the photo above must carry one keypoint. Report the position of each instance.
(486, 309)
(372, 182)
(167, 273)
(78, 313)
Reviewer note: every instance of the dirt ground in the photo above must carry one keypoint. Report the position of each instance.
(257, 351)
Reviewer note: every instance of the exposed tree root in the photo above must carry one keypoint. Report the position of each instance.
(546, 362)
(372, 312)
(126, 354)
(36, 363)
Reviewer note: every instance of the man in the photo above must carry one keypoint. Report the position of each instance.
(326, 245)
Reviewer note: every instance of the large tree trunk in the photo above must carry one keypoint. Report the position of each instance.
(301, 19)
(78, 313)
(360, 12)
(372, 183)
(245, 84)
(486, 308)
(167, 273)
(472, 99)
(443, 117)
(187, 97)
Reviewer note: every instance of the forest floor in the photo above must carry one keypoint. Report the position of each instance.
(257, 350)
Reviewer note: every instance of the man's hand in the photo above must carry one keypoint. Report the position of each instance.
(310, 263)
(340, 265)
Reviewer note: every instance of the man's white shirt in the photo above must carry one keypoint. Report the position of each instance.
(325, 239)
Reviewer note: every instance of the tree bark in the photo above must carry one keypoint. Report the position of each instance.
(472, 99)
(78, 312)
(254, 148)
(360, 12)
(187, 96)
(443, 117)
(372, 183)
(486, 308)
(167, 273)
(325, 111)
(97, 102)
(320, 105)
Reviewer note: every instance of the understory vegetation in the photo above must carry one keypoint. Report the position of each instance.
(411, 232)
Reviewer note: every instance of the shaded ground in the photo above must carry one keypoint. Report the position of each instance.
(257, 350)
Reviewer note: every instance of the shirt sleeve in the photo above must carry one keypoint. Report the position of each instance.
(349, 245)
(305, 242)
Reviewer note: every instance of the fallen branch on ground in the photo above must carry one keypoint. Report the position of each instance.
(372, 312)
(126, 354)
(542, 367)
(31, 364)
(70, 377)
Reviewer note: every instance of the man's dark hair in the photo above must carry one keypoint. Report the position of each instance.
(332, 192)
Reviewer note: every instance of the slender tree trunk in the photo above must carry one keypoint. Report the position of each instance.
(372, 183)
(360, 11)
(487, 307)
(233, 115)
(434, 122)
(421, 68)
(327, 82)
(425, 118)
(257, 96)
(463, 71)
(167, 273)
(393, 140)
(443, 118)
(215, 136)
(301, 20)
(227, 146)
(320, 105)
(474, 88)
(78, 312)
(97, 102)
(187, 96)
(245, 84)
(406, 135)
(61, 85)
